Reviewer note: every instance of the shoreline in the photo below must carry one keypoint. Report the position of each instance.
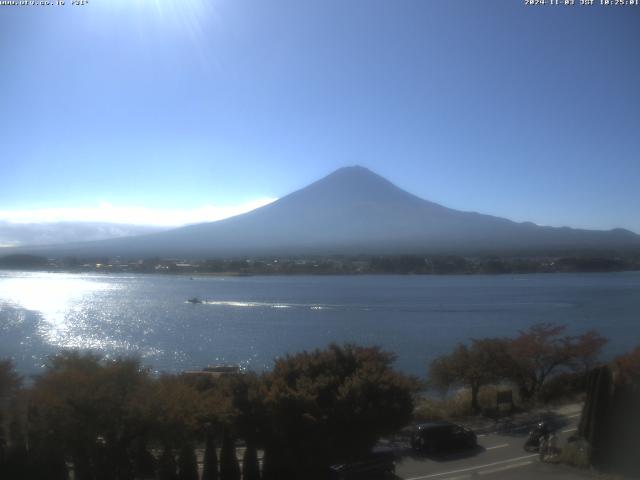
(312, 274)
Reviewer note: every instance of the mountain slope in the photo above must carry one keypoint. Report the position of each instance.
(353, 210)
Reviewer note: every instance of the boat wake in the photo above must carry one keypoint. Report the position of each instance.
(237, 304)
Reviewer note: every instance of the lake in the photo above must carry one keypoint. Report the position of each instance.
(252, 320)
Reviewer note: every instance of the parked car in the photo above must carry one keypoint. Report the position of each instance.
(379, 464)
(440, 437)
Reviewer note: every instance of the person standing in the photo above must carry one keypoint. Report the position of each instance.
(552, 444)
(543, 447)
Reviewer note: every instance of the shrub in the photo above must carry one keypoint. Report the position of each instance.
(574, 455)
(563, 387)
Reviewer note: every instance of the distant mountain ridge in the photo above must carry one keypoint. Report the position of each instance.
(352, 211)
(16, 234)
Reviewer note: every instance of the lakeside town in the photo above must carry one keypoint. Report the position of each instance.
(334, 265)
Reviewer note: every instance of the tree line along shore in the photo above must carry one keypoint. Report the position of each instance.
(575, 262)
(89, 417)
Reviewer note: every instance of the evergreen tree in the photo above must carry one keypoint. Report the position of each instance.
(268, 465)
(82, 464)
(598, 421)
(274, 464)
(167, 469)
(250, 466)
(17, 464)
(210, 469)
(187, 463)
(144, 463)
(47, 461)
(229, 467)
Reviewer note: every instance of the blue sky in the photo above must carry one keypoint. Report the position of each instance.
(185, 106)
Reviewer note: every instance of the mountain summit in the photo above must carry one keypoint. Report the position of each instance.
(354, 210)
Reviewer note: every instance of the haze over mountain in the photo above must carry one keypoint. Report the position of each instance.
(17, 234)
(352, 210)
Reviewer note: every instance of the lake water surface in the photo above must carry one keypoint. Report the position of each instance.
(252, 320)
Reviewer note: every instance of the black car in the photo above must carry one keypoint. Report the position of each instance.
(440, 437)
(379, 464)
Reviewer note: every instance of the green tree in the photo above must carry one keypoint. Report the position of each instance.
(91, 408)
(177, 409)
(246, 396)
(333, 405)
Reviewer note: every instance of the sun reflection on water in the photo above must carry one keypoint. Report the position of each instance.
(59, 300)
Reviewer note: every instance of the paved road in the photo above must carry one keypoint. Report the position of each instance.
(539, 471)
(499, 455)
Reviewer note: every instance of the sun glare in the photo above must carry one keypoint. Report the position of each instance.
(189, 15)
(53, 297)
(133, 215)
